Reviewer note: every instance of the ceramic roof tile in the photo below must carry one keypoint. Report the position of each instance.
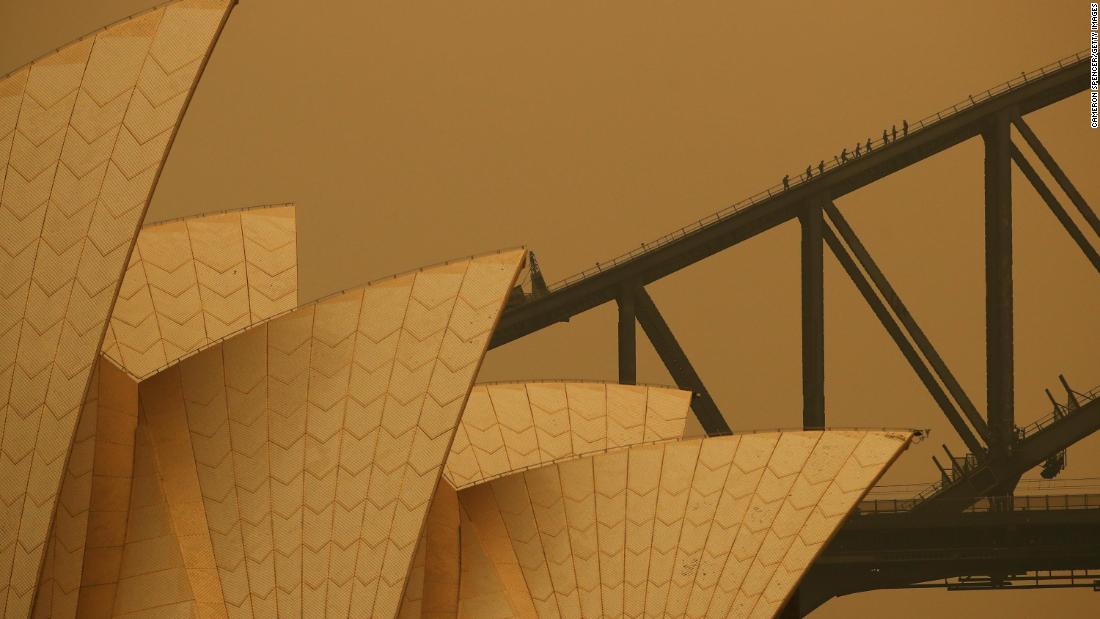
(83, 135)
(721, 526)
(197, 280)
(511, 426)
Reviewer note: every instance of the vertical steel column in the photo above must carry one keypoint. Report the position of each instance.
(998, 283)
(628, 350)
(813, 318)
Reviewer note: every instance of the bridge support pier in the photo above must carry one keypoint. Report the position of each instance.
(813, 318)
(998, 282)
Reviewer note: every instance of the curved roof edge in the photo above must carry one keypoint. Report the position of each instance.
(227, 211)
(327, 297)
(579, 381)
(192, 280)
(507, 427)
(94, 33)
(719, 526)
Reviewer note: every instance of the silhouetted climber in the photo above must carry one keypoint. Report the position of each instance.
(809, 171)
(904, 128)
(894, 133)
(786, 181)
(857, 150)
(868, 145)
(844, 155)
(821, 167)
(885, 138)
(836, 159)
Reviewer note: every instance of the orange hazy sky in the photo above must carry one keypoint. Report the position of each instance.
(410, 133)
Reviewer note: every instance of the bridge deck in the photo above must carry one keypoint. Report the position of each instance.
(879, 548)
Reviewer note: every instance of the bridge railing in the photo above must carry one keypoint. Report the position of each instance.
(799, 177)
(1054, 502)
(1060, 411)
(1032, 579)
(962, 466)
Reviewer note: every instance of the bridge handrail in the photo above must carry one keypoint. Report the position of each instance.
(798, 178)
(970, 462)
(944, 482)
(1060, 411)
(1040, 502)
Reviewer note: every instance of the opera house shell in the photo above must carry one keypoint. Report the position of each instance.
(182, 437)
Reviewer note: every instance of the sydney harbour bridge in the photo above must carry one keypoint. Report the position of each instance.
(971, 529)
(260, 447)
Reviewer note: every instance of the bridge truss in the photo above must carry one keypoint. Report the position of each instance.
(941, 538)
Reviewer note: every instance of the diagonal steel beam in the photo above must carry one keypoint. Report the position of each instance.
(902, 312)
(678, 364)
(1056, 171)
(907, 350)
(689, 246)
(1056, 208)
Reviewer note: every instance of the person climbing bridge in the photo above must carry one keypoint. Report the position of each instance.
(857, 150)
(821, 167)
(868, 146)
(786, 181)
(904, 128)
(885, 138)
(894, 133)
(844, 155)
(809, 171)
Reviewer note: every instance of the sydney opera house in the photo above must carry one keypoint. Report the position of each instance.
(181, 436)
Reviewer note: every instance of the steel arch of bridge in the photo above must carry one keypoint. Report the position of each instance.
(1000, 452)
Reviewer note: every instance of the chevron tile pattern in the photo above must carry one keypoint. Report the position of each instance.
(164, 420)
(260, 245)
(59, 585)
(412, 604)
(716, 527)
(86, 542)
(310, 446)
(432, 589)
(492, 583)
(112, 474)
(512, 426)
(152, 577)
(231, 454)
(197, 280)
(83, 135)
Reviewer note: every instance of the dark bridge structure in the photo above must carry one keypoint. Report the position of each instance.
(968, 531)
